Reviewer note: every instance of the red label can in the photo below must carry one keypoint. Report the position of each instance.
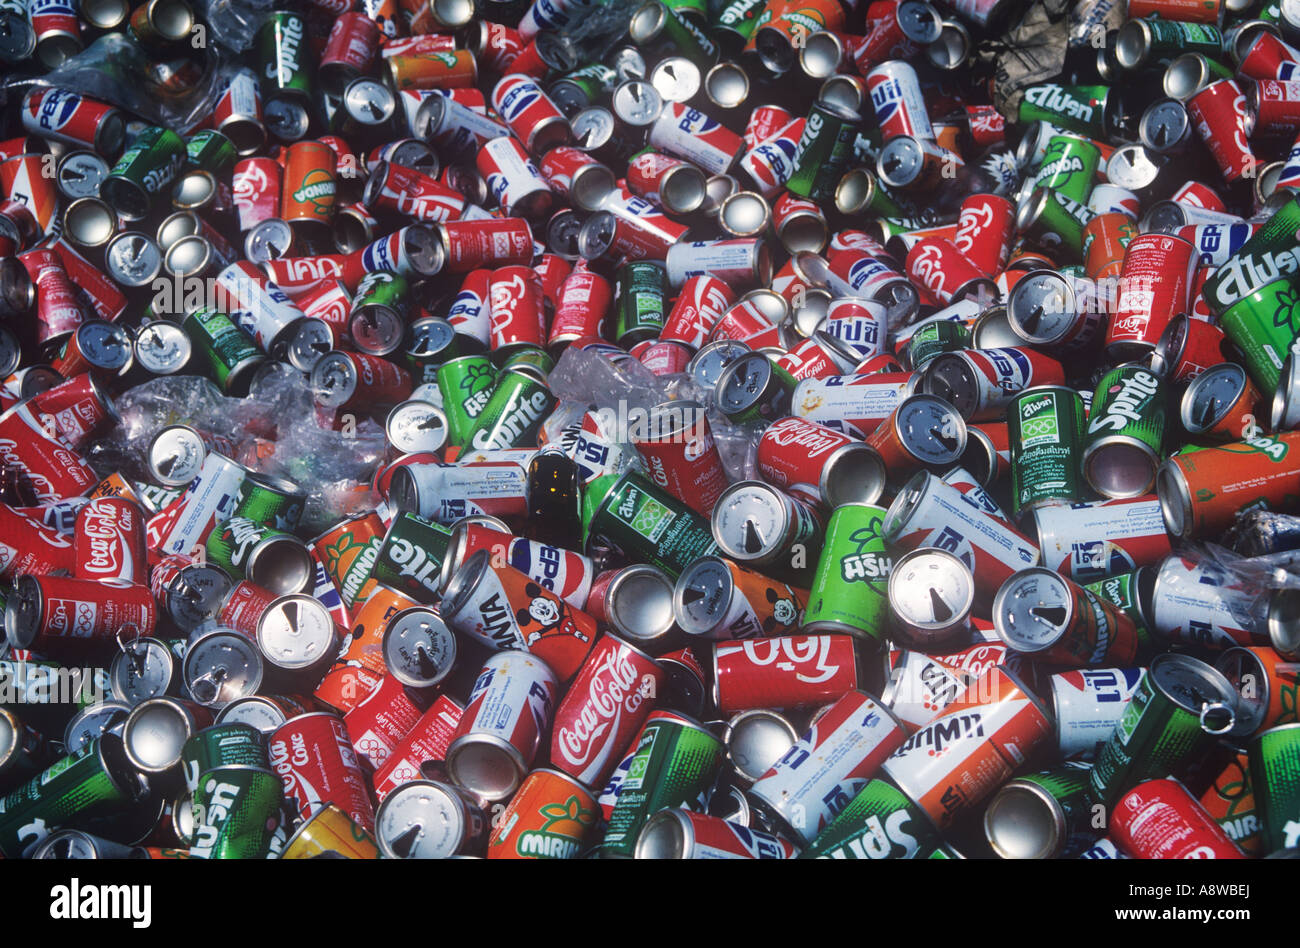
(428, 740)
(697, 310)
(469, 245)
(377, 725)
(109, 541)
(789, 671)
(1159, 819)
(317, 765)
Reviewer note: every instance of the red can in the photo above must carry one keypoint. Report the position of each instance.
(244, 607)
(470, 312)
(1266, 56)
(1187, 348)
(1160, 819)
(77, 409)
(1155, 284)
(73, 619)
(23, 179)
(378, 724)
(1277, 107)
(73, 119)
(799, 224)
(407, 191)
(789, 671)
(51, 470)
(351, 48)
(1198, 195)
(317, 765)
(1221, 117)
(812, 359)
(577, 176)
(683, 458)
(949, 275)
(19, 217)
(378, 382)
(662, 358)
(58, 310)
(517, 308)
(584, 299)
(640, 231)
(661, 179)
(697, 310)
(749, 324)
(109, 541)
(504, 241)
(293, 271)
(552, 270)
(91, 284)
(884, 38)
(986, 124)
(985, 228)
(801, 457)
(530, 114)
(427, 740)
(603, 709)
(765, 121)
(30, 547)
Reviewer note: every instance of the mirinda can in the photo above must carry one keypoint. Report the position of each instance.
(951, 765)
(548, 818)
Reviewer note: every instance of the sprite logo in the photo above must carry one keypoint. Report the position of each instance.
(317, 189)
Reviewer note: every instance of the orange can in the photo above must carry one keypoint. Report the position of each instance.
(347, 685)
(1201, 491)
(331, 830)
(366, 643)
(1230, 801)
(548, 818)
(115, 485)
(1268, 684)
(455, 70)
(348, 551)
(1104, 240)
(309, 188)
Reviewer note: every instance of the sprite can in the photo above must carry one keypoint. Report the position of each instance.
(646, 522)
(1125, 433)
(1045, 428)
(212, 151)
(1083, 109)
(231, 355)
(674, 762)
(221, 746)
(879, 823)
(1180, 709)
(1275, 778)
(513, 416)
(274, 501)
(850, 590)
(70, 791)
(146, 170)
(639, 302)
(1264, 325)
(411, 557)
(236, 813)
(1044, 815)
(466, 385)
(935, 338)
(825, 151)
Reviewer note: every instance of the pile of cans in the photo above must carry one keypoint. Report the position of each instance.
(811, 428)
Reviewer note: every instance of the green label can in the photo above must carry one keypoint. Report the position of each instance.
(71, 790)
(674, 762)
(850, 590)
(1125, 432)
(1275, 778)
(236, 813)
(879, 823)
(514, 415)
(231, 355)
(739, 19)
(282, 56)
(1055, 222)
(639, 302)
(466, 385)
(1264, 324)
(824, 152)
(274, 501)
(936, 338)
(220, 746)
(1080, 109)
(1122, 592)
(145, 171)
(410, 558)
(646, 522)
(212, 151)
(1270, 252)
(1045, 428)
(1045, 815)
(1178, 711)
(1069, 167)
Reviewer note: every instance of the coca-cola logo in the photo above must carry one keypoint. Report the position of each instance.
(615, 688)
(795, 432)
(106, 547)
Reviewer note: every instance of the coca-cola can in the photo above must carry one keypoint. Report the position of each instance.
(110, 542)
(317, 765)
(427, 740)
(788, 671)
(377, 725)
(1160, 819)
(75, 619)
(682, 457)
(604, 708)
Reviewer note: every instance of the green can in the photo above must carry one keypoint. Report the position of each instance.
(1083, 109)
(145, 171)
(935, 338)
(275, 501)
(583, 87)
(1069, 167)
(246, 548)
(738, 21)
(1180, 709)
(1054, 222)
(1154, 41)
(377, 321)
(825, 151)
(411, 557)
(466, 385)
(1275, 779)
(212, 151)
(80, 786)
(661, 29)
(1272, 250)
(850, 590)
(640, 289)
(231, 356)
(1122, 592)
(284, 64)
(1045, 815)
(1264, 326)
(430, 342)
(530, 357)
(1045, 428)
(646, 522)
(513, 416)
(236, 813)
(220, 746)
(879, 823)
(674, 762)
(1125, 432)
